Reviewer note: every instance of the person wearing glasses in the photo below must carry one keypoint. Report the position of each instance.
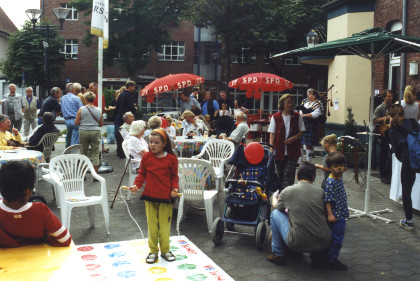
(30, 105)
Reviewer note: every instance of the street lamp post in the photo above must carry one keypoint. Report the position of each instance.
(34, 15)
(312, 38)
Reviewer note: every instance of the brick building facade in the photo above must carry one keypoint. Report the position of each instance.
(388, 14)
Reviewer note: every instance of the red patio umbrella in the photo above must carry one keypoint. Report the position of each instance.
(260, 82)
(169, 83)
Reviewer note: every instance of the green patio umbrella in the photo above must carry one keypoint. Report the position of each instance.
(372, 44)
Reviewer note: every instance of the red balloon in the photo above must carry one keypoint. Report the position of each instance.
(254, 153)
(164, 123)
(257, 95)
(248, 94)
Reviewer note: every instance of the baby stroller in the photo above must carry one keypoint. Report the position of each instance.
(247, 196)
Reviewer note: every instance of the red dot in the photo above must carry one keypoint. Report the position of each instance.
(98, 277)
(92, 267)
(85, 248)
(89, 257)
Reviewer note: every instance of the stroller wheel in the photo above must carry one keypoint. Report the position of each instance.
(261, 235)
(229, 225)
(217, 231)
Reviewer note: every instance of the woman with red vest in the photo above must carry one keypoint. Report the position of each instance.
(286, 128)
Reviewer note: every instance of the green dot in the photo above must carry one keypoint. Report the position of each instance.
(180, 257)
(197, 277)
(173, 249)
(186, 266)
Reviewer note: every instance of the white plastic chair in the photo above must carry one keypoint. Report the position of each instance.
(131, 176)
(193, 174)
(47, 141)
(73, 149)
(218, 152)
(68, 173)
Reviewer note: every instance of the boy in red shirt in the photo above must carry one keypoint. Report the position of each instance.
(23, 222)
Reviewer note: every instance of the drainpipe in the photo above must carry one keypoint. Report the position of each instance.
(198, 51)
(403, 56)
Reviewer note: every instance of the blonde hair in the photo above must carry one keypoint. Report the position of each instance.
(330, 139)
(396, 109)
(169, 119)
(154, 122)
(409, 96)
(89, 96)
(187, 113)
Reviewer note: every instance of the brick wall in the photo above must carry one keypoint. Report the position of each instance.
(387, 12)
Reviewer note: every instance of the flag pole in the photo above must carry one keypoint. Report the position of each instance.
(100, 70)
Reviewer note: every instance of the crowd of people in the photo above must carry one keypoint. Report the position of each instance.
(306, 218)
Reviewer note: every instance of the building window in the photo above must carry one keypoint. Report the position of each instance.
(174, 51)
(292, 61)
(394, 66)
(73, 15)
(71, 49)
(245, 56)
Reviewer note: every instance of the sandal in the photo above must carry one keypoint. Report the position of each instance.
(168, 256)
(152, 258)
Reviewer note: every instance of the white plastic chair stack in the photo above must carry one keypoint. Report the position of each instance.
(68, 173)
(193, 174)
(131, 176)
(218, 152)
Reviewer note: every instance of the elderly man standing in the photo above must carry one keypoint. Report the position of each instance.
(70, 105)
(30, 116)
(128, 118)
(51, 104)
(241, 130)
(124, 104)
(299, 219)
(13, 107)
(210, 107)
(188, 103)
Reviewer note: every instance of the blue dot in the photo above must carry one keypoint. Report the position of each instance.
(112, 246)
(126, 274)
(117, 254)
(120, 263)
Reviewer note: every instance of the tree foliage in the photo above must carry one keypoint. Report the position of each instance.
(136, 28)
(264, 26)
(26, 52)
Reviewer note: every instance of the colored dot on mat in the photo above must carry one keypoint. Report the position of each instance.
(197, 277)
(112, 246)
(117, 254)
(85, 248)
(187, 266)
(98, 277)
(164, 279)
(92, 267)
(173, 248)
(137, 243)
(120, 263)
(126, 274)
(157, 270)
(89, 257)
(180, 257)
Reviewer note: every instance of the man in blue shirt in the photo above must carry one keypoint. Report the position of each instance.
(210, 107)
(70, 105)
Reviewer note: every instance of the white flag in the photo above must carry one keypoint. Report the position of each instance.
(100, 20)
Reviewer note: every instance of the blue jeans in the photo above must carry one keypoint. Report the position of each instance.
(72, 136)
(280, 229)
(337, 236)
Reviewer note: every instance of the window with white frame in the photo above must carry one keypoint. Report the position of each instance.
(73, 15)
(245, 56)
(71, 49)
(174, 51)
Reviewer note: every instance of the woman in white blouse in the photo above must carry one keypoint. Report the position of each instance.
(313, 108)
(137, 146)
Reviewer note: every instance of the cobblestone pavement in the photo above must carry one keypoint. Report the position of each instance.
(372, 249)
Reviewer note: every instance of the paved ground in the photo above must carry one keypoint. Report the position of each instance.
(372, 249)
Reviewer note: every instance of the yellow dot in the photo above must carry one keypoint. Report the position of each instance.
(157, 270)
(138, 243)
(164, 279)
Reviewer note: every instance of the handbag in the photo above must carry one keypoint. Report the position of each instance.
(14, 143)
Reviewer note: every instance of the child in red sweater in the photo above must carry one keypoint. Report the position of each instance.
(23, 222)
(159, 169)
